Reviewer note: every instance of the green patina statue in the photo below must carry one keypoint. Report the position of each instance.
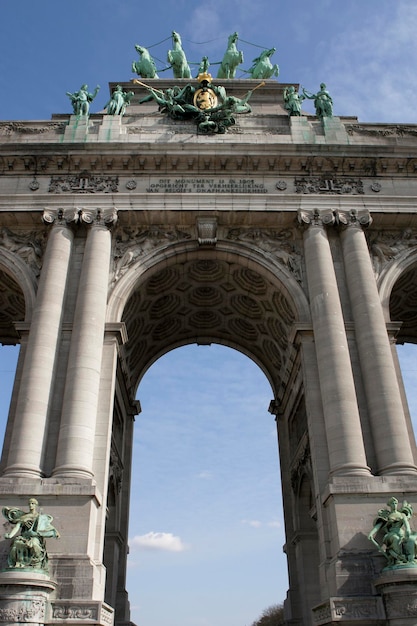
(393, 536)
(28, 548)
(232, 58)
(81, 99)
(177, 58)
(119, 101)
(292, 101)
(262, 66)
(322, 101)
(203, 67)
(207, 105)
(145, 67)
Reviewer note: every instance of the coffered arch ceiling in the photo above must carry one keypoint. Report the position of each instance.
(206, 298)
(12, 308)
(403, 305)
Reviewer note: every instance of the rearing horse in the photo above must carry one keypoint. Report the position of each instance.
(232, 58)
(177, 58)
(145, 67)
(262, 66)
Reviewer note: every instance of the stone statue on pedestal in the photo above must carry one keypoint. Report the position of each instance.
(28, 548)
(393, 536)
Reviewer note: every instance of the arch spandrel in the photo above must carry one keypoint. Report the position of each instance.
(227, 296)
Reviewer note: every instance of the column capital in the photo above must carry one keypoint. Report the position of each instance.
(80, 215)
(100, 217)
(316, 217)
(59, 216)
(360, 218)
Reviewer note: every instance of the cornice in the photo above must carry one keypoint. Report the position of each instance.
(240, 159)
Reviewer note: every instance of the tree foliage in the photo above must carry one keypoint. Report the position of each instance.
(271, 616)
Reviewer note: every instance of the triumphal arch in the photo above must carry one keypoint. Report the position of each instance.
(211, 212)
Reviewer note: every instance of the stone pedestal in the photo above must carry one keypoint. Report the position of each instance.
(350, 611)
(111, 128)
(77, 129)
(24, 597)
(398, 588)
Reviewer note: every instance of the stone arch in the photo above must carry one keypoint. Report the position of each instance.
(398, 290)
(228, 295)
(17, 295)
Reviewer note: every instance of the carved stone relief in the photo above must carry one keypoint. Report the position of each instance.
(28, 246)
(133, 243)
(329, 186)
(385, 245)
(20, 610)
(281, 244)
(84, 183)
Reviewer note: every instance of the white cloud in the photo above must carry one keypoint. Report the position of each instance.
(252, 522)
(275, 524)
(369, 68)
(255, 523)
(205, 474)
(158, 541)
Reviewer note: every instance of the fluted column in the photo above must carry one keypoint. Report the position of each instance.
(79, 411)
(389, 429)
(28, 436)
(340, 408)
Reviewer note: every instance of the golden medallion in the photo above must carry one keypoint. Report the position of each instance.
(205, 98)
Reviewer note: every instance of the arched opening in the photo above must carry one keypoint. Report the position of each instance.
(205, 300)
(12, 309)
(403, 307)
(206, 523)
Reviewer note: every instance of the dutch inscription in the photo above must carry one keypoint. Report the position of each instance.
(206, 185)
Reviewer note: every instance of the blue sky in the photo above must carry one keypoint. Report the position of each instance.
(206, 525)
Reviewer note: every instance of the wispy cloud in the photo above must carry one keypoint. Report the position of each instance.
(158, 541)
(205, 475)
(255, 523)
(252, 522)
(370, 66)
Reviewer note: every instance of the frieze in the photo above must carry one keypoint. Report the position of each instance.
(349, 610)
(329, 186)
(74, 612)
(80, 612)
(387, 131)
(84, 183)
(401, 605)
(22, 611)
(8, 128)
